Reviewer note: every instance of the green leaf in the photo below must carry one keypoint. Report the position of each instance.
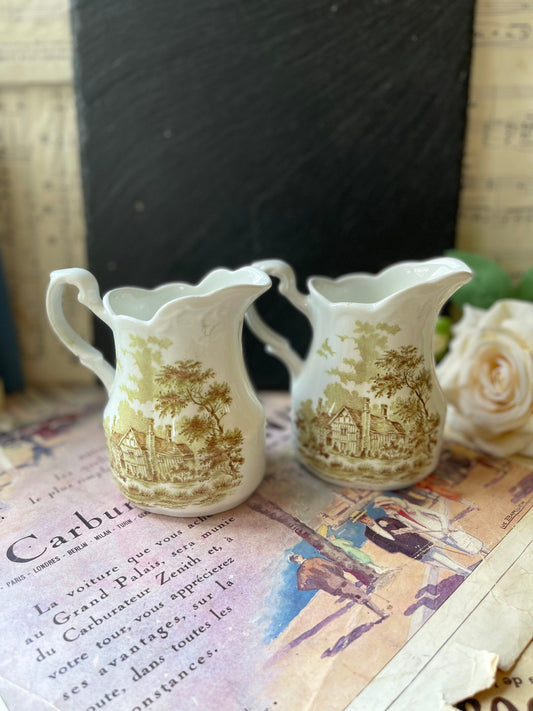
(524, 290)
(489, 283)
(442, 336)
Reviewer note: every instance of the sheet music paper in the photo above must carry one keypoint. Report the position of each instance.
(35, 44)
(496, 206)
(41, 208)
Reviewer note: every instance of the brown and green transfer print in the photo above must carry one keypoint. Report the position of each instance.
(373, 421)
(181, 454)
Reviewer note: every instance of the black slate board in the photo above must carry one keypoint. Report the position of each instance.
(216, 132)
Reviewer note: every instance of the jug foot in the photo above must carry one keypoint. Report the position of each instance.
(192, 512)
(183, 506)
(375, 476)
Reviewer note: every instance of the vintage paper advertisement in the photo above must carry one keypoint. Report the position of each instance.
(301, 598)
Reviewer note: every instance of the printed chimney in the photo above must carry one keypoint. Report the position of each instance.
(365, 426)
(150, 438)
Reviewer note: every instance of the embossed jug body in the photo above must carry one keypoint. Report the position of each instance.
(184, 428)
(367, 410)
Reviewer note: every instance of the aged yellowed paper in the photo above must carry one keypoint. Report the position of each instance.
(511, 691)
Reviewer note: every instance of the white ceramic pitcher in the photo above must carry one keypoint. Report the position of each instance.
(184, 427)
(367, 409)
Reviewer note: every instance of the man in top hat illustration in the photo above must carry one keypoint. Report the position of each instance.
(395, 536)
(431, 523)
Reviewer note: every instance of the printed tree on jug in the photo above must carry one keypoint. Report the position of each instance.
(185, 383)
(375, 414)
(167, 438)
(401, 370)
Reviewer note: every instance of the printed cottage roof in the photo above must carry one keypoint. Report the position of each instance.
(134, 439)
(322, 419)
(354, 414)
(165, 446)
(382, 425)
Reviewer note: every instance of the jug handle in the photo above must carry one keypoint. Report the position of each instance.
(275, 344)
(88, 295)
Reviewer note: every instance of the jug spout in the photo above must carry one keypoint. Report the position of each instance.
(447, 275)
(255, 282)
(235, 291)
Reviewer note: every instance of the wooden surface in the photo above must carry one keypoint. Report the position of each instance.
(215, 132)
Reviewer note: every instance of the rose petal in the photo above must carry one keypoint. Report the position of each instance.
(504, 445)
(501, 445)
(487, 377)
(512, 315)
(495, 383)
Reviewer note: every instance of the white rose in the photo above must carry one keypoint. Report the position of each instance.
(487, 378)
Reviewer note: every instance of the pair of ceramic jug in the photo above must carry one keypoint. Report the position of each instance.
(184, 427)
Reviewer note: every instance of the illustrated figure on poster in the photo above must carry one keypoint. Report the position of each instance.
(350, 548)
(394, 536)
(321, 574)
(433, 523)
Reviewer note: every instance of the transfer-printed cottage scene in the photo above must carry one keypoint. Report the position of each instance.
(167, 437)
(375, 416)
